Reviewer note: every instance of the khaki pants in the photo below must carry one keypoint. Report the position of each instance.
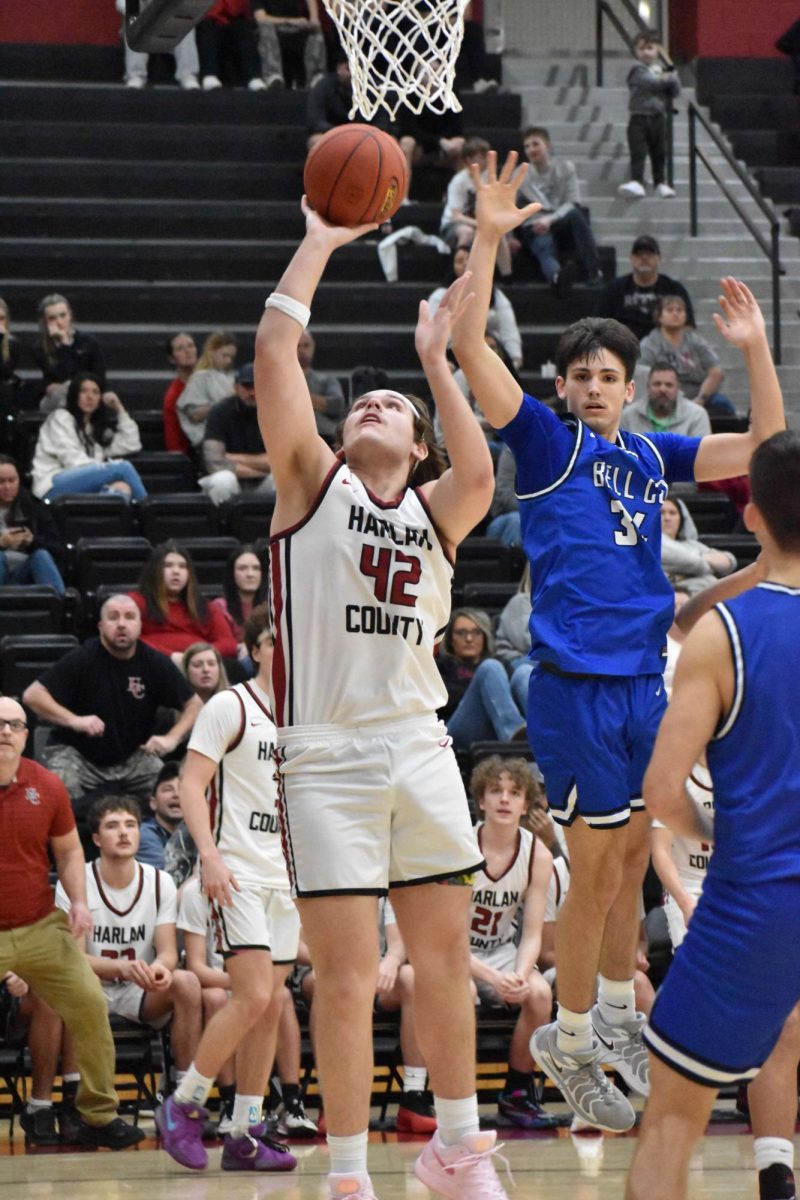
(47, 957)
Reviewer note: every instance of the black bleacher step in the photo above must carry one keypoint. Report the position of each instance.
(754, 112)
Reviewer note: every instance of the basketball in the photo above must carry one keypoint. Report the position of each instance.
(355, 175)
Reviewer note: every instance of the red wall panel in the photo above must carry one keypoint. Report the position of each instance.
(729, 28)
(65, 22)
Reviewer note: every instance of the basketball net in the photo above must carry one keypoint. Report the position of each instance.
(401, 52)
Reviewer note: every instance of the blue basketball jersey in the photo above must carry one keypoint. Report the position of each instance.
(591, 527)
(754, 758)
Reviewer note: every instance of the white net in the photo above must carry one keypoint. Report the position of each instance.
(401, 52)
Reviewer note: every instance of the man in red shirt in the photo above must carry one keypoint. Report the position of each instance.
(37, 941)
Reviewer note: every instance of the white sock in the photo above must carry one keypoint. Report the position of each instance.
(246, 1112)
(574, 1032)
(35, 1105)
(455, 1118)
(193, 1088)
(414, 1078)
(616, 1000)
(348, 1154)
(769, 1150)
(71, 1077)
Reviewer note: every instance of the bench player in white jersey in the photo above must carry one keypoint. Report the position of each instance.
(516, 877)
(681, 863)
(132, 945)
(231, 759)
(361, 561)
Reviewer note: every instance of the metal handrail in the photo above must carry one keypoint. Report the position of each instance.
(603, 9)
(770, 248)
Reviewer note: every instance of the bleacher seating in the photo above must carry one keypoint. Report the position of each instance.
(87, 516)
(115, 562)
(178, 515)
(247, 517)
(165, 471)
(209, 555)
(33, 609)
(24, 657)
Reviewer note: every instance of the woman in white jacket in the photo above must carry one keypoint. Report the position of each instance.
(688, 563)
(77, 444)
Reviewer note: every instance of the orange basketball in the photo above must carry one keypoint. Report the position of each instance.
(355, 175)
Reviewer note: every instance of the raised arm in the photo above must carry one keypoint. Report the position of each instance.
(460, 498)
(492, 384)
(725, 455)
(299, 457)
(725, 589)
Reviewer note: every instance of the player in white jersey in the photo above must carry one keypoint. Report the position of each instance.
(132, 945)
(362, 544)
(231, 759)
(681, 863)
(516, 877)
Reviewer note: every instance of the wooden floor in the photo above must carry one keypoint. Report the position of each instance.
(544, 1166)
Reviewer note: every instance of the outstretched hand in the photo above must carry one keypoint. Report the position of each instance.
(742, 321)
(334, 235)
(432, 334)
(496, 196)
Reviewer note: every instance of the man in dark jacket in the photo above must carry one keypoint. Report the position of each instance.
(632, 298)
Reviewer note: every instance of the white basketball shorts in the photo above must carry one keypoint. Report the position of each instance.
(260, 918)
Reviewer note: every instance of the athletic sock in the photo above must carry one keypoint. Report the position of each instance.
(516, 1081)
(616, 1000)
(193, 1088)
(348, 1154)
(769, 1150)
(574, 1032)
(35, 1105)
(455, 1118)
(246, 1112)
(414, 1078)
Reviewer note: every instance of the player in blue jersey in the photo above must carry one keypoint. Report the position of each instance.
(589, 500)
(736, 977)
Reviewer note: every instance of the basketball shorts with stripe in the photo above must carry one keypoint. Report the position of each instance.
(260, 918)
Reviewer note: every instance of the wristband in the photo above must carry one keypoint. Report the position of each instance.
(291, 307)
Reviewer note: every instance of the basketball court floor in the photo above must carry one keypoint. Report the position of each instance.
(546, 1166)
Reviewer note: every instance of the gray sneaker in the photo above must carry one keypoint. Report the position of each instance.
(622, 1047)
(587, 1091)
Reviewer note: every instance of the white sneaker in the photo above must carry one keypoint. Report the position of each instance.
(632, 188)
(274, 83)
(211, 83)
(665, 191)
(189, 83)
(137, 82)
(256, 85)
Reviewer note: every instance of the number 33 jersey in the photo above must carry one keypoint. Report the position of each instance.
(590, 512)
(360, 595)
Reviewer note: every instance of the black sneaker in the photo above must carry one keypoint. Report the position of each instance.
(40, 1127)
(69, 1121)
(522, 1109)
(116, 1135)
(415, 1113)
(776, 1182)
(293, 1120)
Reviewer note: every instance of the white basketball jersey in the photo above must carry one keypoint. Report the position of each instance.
(124, 920)
(360, 595)
(691, 858)
(495, 902)
(236, 730)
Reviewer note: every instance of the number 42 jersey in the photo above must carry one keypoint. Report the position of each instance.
(360, 595)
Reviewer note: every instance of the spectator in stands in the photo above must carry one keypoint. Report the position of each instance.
(10, 361)
(233, 449)
(165, 806)
(174, 612)
(186, 61)
(502, 322)
(203, 667)
(472, 68)
(295, 25)
(211, 381)
(329, 102)
(504, 513)
(28, 534)
(457, 224)
(687, 562)
(652, 86)
(503, 965)
(77, 445)
(103, 698)
(513, 640)
(665, 406)
(135, 906)
(553, 183)
(35, 942)
(227, 32)
(182, 355)
(63, 351)
(632, 298)
(479, 700)
(428, 137)
(694, 359)
(326, 392)
(244, 585)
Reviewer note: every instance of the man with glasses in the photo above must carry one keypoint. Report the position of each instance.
(37, 941)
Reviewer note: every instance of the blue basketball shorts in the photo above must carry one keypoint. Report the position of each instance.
(593, 737)
(734, 980)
